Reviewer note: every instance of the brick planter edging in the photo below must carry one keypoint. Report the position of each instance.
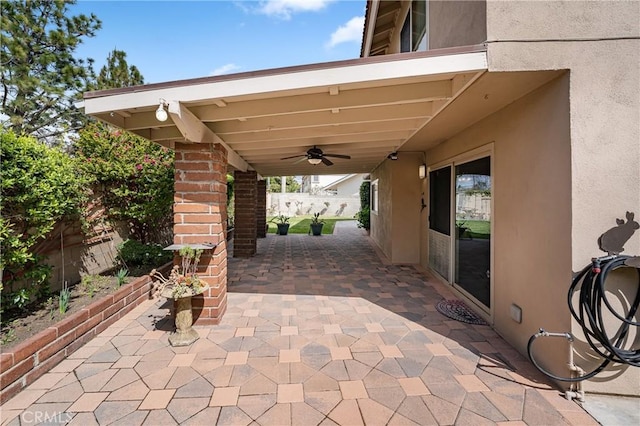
(29, 360)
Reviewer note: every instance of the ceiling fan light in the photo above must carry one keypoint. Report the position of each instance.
(314, 161)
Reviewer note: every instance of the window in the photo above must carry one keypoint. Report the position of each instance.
(374, 196)
(405, 35)
(413, 36)
(419, 24)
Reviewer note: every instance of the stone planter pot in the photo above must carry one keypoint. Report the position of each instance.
(185, 334)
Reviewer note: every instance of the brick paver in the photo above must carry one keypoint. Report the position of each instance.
(318, 330)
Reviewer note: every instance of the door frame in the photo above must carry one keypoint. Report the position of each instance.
(486, 150)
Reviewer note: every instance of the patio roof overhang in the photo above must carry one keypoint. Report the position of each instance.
(365, 108)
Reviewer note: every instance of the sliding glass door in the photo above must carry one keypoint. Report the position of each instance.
(472, 240)
(460, 226)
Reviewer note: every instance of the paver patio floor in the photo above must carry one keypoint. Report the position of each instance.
(319, 330)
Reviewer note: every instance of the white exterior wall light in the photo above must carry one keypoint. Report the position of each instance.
(161, 113)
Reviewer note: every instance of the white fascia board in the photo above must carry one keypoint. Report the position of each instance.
(373, 12)
(296, 80)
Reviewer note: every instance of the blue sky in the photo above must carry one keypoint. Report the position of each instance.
(175, 40)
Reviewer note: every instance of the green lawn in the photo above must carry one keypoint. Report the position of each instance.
(480, 229)
(300, 224)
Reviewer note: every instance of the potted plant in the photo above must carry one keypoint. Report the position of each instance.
(461, 229)
(282, 222)
(316, 224)
(181, 285)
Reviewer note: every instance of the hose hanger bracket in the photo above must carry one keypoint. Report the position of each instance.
(593, 303)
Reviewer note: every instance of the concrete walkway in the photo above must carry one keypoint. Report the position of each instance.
(318, 330)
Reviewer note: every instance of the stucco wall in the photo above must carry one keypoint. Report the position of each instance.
(394, 227)
(531, 193)
(544, 20)
(605, 111)
(382, 222)
(456, 23)
(406, 208)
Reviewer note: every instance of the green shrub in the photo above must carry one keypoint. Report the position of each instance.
(134, 254)
(364, 218)
(40, 187)
(364, 215)
(132, 177)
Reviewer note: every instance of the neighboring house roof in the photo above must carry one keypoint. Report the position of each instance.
(334, 185)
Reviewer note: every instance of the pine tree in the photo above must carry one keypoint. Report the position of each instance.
(40, 76)
(117, 73)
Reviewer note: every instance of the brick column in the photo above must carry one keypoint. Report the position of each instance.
(261, 209)
(245, 190)
(200, 214)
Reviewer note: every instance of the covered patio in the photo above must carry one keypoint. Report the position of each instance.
(318, 330)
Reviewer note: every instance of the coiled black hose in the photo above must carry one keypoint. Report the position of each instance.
(589, 315)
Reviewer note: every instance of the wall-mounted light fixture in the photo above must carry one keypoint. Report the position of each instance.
(422, 171)
(161, 113)
(393, 156)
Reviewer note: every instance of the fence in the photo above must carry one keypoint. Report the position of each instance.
(301, 204)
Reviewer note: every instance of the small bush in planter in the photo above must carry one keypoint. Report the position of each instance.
(316, 225)
(282, 222)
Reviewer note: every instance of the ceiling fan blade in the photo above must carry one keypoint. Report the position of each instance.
(326, 161)
(300, 160)
(346, 157)
(294, 156)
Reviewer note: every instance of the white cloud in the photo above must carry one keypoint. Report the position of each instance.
(285, 8)
(351, 31)
(225, 69)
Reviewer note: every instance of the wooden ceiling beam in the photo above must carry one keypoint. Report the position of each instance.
(194, 130)
(355, 98)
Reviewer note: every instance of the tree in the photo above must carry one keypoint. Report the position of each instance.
(117, 73)
(275, 184)
(40, 77)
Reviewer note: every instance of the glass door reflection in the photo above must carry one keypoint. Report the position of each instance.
(473, 229)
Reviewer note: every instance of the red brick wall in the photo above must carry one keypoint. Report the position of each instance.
(246, 191)
(261, 208)
(26, 362)
(200, 215)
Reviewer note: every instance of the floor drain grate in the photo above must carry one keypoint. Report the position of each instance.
(457, 310)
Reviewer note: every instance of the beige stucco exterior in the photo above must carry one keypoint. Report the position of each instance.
(530, 191)
(566, 161)
(604, 121)
(394, 225)
(446, 18)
